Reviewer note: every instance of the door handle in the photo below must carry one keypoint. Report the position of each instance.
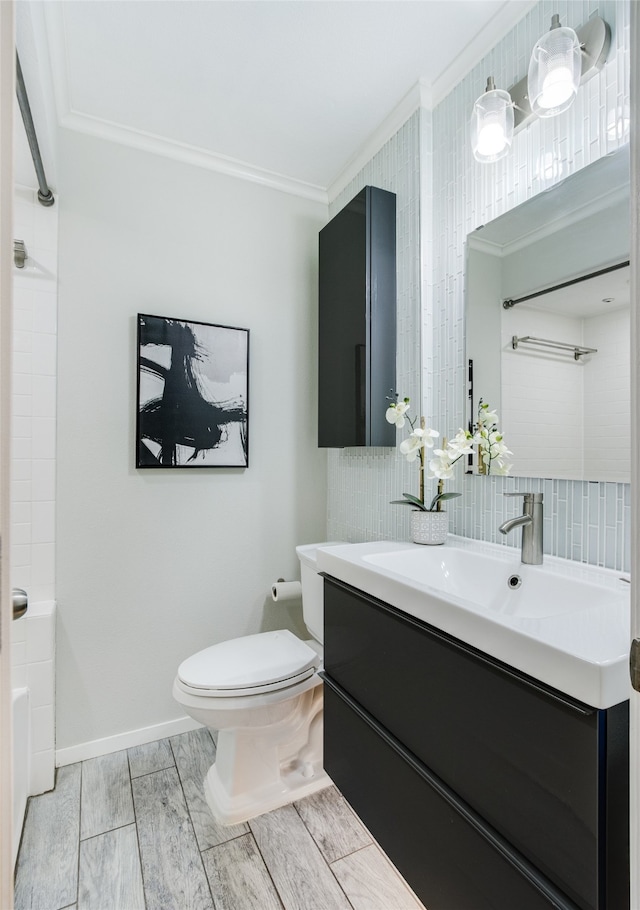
(20, 602)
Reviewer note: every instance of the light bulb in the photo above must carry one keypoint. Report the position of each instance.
(491, 140)
(557, 88)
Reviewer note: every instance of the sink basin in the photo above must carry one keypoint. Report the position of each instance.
(564, 623)
(498, 585)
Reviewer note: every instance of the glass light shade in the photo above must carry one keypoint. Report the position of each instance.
(554, 72)
(492, 126)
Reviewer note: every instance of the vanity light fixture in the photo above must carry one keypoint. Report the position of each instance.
(492, 124)
(548, 89)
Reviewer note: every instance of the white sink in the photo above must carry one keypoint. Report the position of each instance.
(564, 623)
(498, 585)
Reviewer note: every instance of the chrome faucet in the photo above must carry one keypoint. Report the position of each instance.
(531, 523)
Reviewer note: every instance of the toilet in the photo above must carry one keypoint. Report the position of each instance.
(263, 695)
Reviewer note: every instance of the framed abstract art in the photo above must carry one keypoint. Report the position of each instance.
(193, 394)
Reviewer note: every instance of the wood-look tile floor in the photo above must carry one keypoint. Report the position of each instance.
(132, 831)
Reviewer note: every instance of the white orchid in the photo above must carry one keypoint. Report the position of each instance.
(419, 438)
(486, 417)
(441, 466)
(490, 442)
(396, 411)
(487, 437)
(462, 443)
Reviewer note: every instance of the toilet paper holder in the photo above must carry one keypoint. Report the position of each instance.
(285, 590)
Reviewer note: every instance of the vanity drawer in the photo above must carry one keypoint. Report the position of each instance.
(527, 759)
(451, 859)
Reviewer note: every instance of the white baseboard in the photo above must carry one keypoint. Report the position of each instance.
(124, 740)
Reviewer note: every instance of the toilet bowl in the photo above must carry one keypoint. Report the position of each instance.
(263, 696)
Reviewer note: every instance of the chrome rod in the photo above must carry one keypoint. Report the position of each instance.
(511, 302)
(576, 349)
(45, 196)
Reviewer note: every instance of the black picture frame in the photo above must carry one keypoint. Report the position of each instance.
(192, 394)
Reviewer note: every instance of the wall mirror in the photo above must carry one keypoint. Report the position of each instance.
(547, 325)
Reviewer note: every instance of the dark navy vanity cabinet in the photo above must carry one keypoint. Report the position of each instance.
(488, 789)
(357, 322)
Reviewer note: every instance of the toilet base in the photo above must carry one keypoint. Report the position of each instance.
(231, 810)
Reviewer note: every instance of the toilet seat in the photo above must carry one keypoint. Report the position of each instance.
(249, 665)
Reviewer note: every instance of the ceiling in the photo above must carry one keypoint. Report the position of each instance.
(285, 92)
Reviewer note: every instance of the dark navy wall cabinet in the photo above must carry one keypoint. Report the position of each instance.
(357, 322)
(488, 789)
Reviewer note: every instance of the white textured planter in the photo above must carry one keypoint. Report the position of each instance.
(429, 527)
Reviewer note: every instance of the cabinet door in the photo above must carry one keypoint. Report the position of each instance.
(451, 859)
(357, 322)
(527, 759)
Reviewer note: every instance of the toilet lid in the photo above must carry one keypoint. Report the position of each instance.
(266, 660)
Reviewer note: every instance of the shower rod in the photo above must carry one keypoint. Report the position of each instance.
(45, 196)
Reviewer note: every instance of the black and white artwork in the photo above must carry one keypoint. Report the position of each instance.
(193, 391)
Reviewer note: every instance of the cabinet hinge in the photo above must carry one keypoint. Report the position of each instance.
(634, 664)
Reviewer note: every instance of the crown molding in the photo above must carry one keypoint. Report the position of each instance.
(189, 154)
(417, 97)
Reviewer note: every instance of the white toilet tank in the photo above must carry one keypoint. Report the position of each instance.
(312, 588)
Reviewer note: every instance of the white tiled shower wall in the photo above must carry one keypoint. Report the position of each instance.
(33, 473)
(572, 394)
(589, 522)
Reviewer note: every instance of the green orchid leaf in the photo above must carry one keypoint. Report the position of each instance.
(410, 500)
(439, 497)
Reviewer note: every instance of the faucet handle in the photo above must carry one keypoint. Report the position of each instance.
(528, 497)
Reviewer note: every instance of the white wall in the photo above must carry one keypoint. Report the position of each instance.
(154, 565)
